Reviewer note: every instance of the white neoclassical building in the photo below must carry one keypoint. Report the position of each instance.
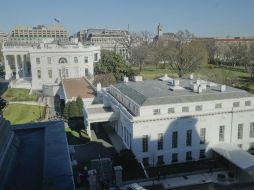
(175, 121)
(43, 66)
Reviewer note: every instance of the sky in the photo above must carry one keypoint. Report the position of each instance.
(205, 18)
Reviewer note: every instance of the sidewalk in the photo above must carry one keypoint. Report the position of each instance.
(187, 180)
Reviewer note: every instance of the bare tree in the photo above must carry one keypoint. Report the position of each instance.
(236, 54)
(212, 50)
(187, 55)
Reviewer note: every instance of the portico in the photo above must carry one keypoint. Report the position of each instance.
(17, 66)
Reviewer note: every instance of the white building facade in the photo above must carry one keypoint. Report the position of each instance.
(45, 65)
(179, 120)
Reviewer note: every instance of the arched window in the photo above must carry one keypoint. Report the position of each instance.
(62, 60)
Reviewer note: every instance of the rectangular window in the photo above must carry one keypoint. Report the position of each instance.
(156, 112)
(221, 133)
(198, 108)
(60, 73)
(188, 137)
(240, 131)
(145, 143)
(146, 162)
(236, 104)
(38, 60)
(185, 109)
(160, 160)
(66, 73)
(202, 135)
(252, 129)
(38, 74)
(75, 59)
(49, 60)
(202, 153)
(96, 57)
(218, 106)
(240, 145)
(174, 139)
(50, 73)
(188, 155)
(171, 110)
(247, 103)
(174, 157)
(86, 59)
(160, 141)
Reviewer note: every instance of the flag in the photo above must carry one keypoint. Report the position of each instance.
(56, 20)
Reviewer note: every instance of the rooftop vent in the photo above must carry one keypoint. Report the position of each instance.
(200, 89)
(98, 87)
(223, 88)
(194, 87)
(138, 78)
(125, 79)
(176, 82)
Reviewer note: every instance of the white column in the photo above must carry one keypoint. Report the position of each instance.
(23, 66)
(16, 66)
(8, 71)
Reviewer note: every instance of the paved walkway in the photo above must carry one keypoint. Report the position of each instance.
(187, 180)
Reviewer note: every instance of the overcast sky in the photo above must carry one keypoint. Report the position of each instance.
(202, 17)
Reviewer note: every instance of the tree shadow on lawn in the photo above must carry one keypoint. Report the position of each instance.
(76, 124)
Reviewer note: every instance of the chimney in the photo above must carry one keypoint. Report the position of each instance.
(125, 79)
(191, 76)
(223, 88)
(200, 89)
(138, 78)
(98, 87)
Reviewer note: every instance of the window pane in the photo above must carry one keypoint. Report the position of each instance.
(221, 133)
(198, 107)
(160, 141)
(185, 109)
(145, 143)
(174, 139)
(240, 131)
(188, 137)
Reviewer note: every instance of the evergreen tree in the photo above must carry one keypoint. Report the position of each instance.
(80, 105)
(73, 110)
(66, 110)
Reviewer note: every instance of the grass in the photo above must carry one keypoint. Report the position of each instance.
(18, 94)
(22, 113)
(217, 74)
(74, 137)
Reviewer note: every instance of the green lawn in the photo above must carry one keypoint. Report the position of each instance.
(212, 73)
(21, 113)
(74, 137)
(18, 94)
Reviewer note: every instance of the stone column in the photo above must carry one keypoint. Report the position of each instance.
(8, 72)
(16, 66)
(118, 175)
(92, 179)
(23, 66)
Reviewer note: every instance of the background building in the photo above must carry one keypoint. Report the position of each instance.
(108, 39)
(3, 37)
(43, 66)
(55, 31)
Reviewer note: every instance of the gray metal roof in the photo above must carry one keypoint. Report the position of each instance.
(155, 92)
